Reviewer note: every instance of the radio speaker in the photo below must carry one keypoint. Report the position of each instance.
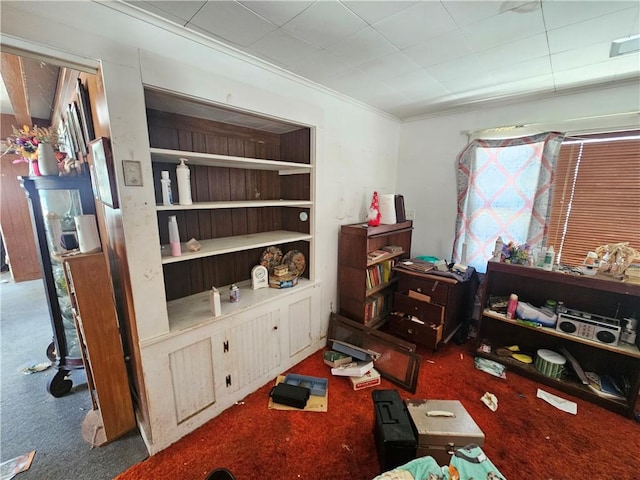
(596, 328)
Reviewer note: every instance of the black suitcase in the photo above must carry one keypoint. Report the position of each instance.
(394, 435)
(292, 395)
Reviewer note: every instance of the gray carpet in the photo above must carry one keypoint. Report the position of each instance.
(32, 419)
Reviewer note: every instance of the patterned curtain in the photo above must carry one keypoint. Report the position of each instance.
(504, 190)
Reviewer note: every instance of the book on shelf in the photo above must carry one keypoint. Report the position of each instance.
(379, 273)
(392, 248)
(605, 386)
(376, 255)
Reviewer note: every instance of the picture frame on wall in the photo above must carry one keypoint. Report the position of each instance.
(84, 109)
(74, 121)
(103, 172)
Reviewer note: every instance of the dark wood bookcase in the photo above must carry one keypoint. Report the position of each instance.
(597, 296)
(251, 188)
(369, 302)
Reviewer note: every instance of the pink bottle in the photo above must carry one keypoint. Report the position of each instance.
(511, 306)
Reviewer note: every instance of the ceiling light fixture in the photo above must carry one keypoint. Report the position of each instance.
(625, 45)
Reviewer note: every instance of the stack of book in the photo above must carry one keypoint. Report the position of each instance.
(359, 371)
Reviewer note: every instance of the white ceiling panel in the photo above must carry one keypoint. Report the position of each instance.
(282, 48)
(419, 57)
(362, 47)
(503, 29)
(416, 24)
(278, 12)
(325, 23)
(320, 66)
(445, 47)
(602, 29)
(232, 22)
(178, 11)
(374, 11)
(562, 13)
(467, 12)
(389, 66)
(515, 52)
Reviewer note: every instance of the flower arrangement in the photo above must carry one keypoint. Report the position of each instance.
(25, 141)
(514, 253)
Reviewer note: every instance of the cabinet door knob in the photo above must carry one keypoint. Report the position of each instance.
(410, 330)
(275, 327)
(419, 289)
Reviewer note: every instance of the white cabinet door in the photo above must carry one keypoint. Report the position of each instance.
(252, 348)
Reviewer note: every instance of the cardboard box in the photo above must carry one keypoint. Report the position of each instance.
(285, 281)
(369, 379)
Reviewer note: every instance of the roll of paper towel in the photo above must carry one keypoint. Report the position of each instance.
(87, 233)
(387, 209)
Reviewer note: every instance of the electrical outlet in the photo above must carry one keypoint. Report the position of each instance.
(410, 214)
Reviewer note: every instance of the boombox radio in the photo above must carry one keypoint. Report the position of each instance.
(588, 325)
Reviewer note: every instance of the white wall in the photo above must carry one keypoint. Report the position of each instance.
(356, 150)
(429, 148)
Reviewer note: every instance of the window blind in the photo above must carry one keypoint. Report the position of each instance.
(596, 196)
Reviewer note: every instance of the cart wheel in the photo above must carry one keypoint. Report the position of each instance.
(51, 352)
(60, 384)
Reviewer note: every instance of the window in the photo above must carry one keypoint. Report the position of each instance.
(504, 189)
(596, 196)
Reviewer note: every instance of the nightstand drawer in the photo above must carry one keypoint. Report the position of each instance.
(426, 311)
(426, 334)
(438, 291)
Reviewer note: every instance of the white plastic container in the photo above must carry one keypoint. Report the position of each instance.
(174, 236)
(87, 229)
(548, 259)
(165, 181)
(184, 183)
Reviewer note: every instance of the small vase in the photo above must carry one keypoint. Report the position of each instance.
(47, 161)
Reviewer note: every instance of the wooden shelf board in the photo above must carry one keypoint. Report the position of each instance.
(238, 243)
(238, 204)
(566, 385)
(379, 288)
(194, 310)
(622, 348)
(215, 160)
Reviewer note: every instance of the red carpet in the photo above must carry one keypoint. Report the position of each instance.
(526, 438)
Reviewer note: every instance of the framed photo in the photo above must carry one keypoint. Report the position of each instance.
(71, 141)
(102, 172)
(72, 113)
(84, 110)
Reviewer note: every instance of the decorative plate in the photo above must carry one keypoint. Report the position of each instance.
(271, 257)
(295, 261)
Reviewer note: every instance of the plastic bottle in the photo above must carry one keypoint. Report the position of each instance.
(512, 305)
(184, 183)
(497, 250)
(165, 181)
(548, 259)
(174, 236)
